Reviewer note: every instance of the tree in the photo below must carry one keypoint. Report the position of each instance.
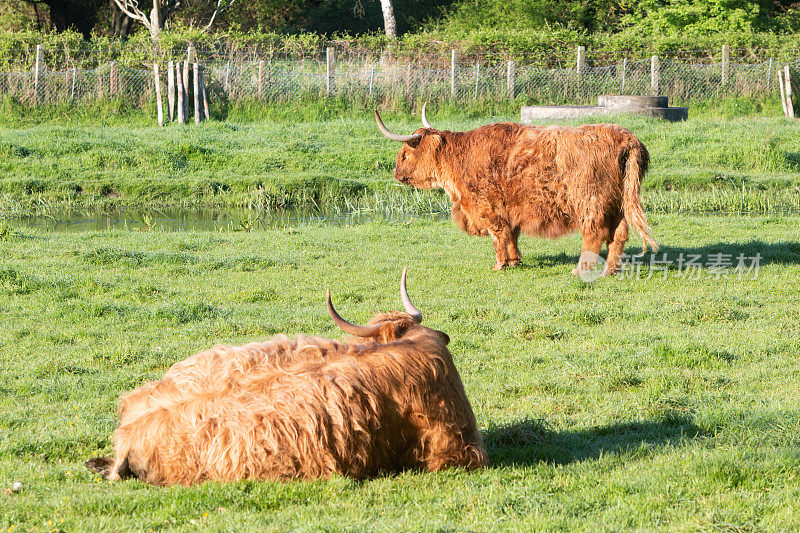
(160, 12)
(220, 7)
(80, 15)
(695, 17)
(120, 22)
(389, 24)
(154, 22)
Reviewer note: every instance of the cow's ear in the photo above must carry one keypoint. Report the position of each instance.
(435, 140)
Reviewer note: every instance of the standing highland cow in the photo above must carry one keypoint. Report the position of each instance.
(505, 179)
(388, 400)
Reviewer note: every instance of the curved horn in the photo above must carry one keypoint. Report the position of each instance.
(425, 117)
(347, 327)
(410, 308)
(394, 136)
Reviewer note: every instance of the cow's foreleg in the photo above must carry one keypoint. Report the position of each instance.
(514, 258)
(505, 247)
(461, 220)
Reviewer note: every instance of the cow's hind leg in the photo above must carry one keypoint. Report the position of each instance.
(594, 232)
(615, 246)
(590, 251)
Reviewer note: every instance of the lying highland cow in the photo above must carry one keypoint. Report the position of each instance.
(505, 179)
(391, 399)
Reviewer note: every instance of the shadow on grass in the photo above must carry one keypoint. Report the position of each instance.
(543, 261)
(779, 253)
(530, 441)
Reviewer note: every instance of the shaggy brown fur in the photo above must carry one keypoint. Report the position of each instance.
(300, 408)
(506, 179)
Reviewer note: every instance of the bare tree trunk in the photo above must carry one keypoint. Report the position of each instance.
(120, 22)
(388, 19)
(155, 20)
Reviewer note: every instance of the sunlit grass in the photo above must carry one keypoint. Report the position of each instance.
(704, 164)
(659, 403)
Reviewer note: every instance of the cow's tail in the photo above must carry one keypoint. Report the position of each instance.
(635, 168)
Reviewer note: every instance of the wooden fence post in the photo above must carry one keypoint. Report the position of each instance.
(186, 85)
(787, 77)
(181, 107)
(782, 88)
(726, 63)
(624, 68)
(371, 79)
(37, 74)
(511, 69)
(74, 80)
(196, 87)
(113, 76)
(453, 67)
(409, 77)
(158, 94)
(581, 66)
(99, 87)
(330, 65)
(654, 73)
(261, 79)
(171, 91)
(204, 94)
(477, 76)
(227, 76)
(769, 73)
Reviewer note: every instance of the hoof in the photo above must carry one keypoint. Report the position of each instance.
(514, 263)
(499, 267)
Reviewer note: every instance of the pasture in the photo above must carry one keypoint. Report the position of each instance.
(623, 403)
(658, 399)
(707, 164)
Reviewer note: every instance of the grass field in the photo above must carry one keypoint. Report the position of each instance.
(708, 164)
(620, 404)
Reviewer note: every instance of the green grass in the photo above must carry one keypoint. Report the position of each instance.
(705, 164)
(620, 404)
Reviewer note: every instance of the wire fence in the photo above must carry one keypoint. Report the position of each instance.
(382, 78)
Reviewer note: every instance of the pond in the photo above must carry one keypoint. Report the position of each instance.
(177, 219)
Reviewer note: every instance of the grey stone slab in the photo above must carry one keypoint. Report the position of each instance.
(534, 114)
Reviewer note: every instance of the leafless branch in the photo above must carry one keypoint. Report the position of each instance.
(131, 9)
(222, 6)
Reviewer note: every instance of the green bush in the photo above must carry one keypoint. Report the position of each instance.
(531, 46)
